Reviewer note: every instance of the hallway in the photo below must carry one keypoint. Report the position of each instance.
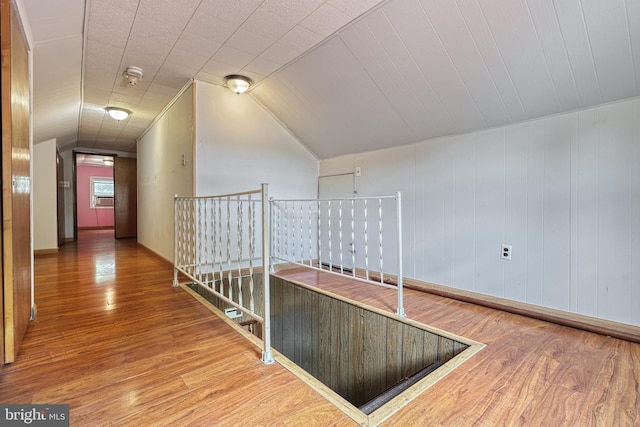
(121, 346)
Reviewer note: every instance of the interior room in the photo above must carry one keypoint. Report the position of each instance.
(468, 168)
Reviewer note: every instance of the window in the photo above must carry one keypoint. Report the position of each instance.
(101, 192)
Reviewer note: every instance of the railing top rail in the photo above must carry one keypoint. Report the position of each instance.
(220, 196)
(336, 199)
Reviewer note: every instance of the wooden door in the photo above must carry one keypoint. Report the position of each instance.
(125, 183)
(16, 185)
(60, 197)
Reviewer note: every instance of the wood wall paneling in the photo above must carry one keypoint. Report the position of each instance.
(373, 361)
(323, 367)
(345, 328)
(412, 350)
(5, 125)
(357, 352)
(430, 349)
(394, 355)
(358, 370)
(308, 323)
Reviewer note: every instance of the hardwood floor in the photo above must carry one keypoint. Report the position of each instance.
(121, 346)
(531, 373)
(115, 341)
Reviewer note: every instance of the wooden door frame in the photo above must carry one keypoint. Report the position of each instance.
(59, 199)
(17, 249)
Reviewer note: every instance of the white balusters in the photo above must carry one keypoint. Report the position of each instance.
(309, 204)
(340, 252)
(353, 239)
(366, 243)
(252, 243)
(380, 239)
(215, 247)
(367, 222)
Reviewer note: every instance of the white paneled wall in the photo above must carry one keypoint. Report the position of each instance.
(165, 168)
(45, 191)
(564, 191)
(239, 145)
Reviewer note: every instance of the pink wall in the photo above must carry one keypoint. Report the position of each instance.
(88, 217)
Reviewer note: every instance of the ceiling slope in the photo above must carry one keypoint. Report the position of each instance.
(412, 70)
(174, 41)
(343, 76)
(57, 29)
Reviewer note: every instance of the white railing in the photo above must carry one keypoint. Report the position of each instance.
(219, 243)
(342, 236)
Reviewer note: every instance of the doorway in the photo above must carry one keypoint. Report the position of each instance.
(94, 192)
(105, 189)
(331, 188)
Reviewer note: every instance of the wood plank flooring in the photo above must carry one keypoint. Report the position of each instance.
(531, 373)
(123, 347)
(115, 341)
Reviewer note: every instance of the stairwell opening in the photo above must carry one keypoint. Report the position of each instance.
(367, 362)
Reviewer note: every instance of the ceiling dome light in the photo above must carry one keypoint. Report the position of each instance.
(237, 83)
(118, 113)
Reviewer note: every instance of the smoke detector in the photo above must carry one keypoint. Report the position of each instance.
(133, 75)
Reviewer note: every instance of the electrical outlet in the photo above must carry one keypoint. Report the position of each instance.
(505, 253)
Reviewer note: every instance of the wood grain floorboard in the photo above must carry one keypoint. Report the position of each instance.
(504, 403)
(123, 347)
(531, 373)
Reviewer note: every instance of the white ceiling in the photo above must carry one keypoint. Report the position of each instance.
(344, 76)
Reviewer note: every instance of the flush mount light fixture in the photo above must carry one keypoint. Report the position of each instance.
(118, 113)
(237, 83)
(108, 162)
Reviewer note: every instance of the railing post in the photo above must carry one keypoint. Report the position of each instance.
(267, 356)
(400, 311)
(175, 240)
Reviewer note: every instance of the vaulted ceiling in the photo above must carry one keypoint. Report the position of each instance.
(344, 76)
